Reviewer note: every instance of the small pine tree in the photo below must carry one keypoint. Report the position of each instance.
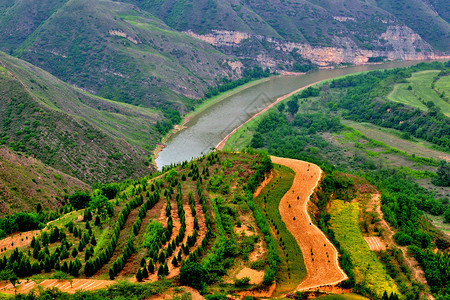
(74, 252)
(161, 270)
(151, 266)
(143, 262)
(166, 269)
(93, 241)
(112, 274)
(144, 272)
(161, 257)
(175, 262)
(97, 221)
(139, 275)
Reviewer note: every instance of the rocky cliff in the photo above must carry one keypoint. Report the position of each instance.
(396, 43)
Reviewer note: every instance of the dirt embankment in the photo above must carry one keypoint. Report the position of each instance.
(321, 257)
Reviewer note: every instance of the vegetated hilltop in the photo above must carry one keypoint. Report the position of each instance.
(112, 49)
(292, 34)
(88, 137)
(197, 220)
(26, 182)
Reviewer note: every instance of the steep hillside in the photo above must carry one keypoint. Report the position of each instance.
(80, 134)
(116, 51)
(26, 182)
(321, 31)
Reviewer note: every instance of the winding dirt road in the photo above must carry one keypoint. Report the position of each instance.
(321, 257)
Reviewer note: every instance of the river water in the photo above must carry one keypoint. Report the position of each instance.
(204, 131)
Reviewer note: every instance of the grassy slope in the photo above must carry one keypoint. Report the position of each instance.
(292, 268)
(25, 182)
(123, 121)
(124, 54)
(70, 130)
(368, 269)
(421, 91)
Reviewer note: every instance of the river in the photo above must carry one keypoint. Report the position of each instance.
(205, 130)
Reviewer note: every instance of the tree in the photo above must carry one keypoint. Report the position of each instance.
(193, 274)
(447, 216)
(151, 266)
(112, 274)
(79, 199)
(144, 272)
(100, 204)
(139, 275)
(175, 261)
(110, 190)
(443, 174)
(74, 252)
(257, 140)
(293, 106)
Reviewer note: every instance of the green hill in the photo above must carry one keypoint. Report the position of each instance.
(26, 182)
(114, 50)
(88, 137)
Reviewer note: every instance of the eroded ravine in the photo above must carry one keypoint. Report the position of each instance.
(321, 257)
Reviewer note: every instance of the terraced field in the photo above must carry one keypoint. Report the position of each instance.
(150, 228)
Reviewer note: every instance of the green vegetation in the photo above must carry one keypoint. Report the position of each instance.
(418, 92)
(315, 133)
(52, 121)
(131, 236)
(292, 269)
(368, 270)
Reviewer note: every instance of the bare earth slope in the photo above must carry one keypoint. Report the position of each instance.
(321, 257)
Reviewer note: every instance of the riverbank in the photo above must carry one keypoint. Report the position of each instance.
(201, 108)
(222, 143)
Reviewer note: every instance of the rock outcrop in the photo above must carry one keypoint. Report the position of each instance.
(396, 43)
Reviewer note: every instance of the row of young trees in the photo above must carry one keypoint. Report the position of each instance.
(95, 264)
(129, 249)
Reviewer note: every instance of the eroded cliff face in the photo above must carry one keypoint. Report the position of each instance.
(396, 43)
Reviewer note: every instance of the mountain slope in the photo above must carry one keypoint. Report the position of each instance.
(119, 52)
(322, 31)
(80, 134)
(25, 182)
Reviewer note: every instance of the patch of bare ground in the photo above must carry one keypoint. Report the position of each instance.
(177, 292)
(259, 291)
(320, 256)
(263, 185)
(375, 243)
(256, 277)
(68, 286)
(18, 239)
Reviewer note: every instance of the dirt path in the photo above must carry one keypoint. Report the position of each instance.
(222, 143)
(67, 286)
(321, 257)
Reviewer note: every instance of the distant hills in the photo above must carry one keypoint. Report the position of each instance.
(166, 53)
(112, 49)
